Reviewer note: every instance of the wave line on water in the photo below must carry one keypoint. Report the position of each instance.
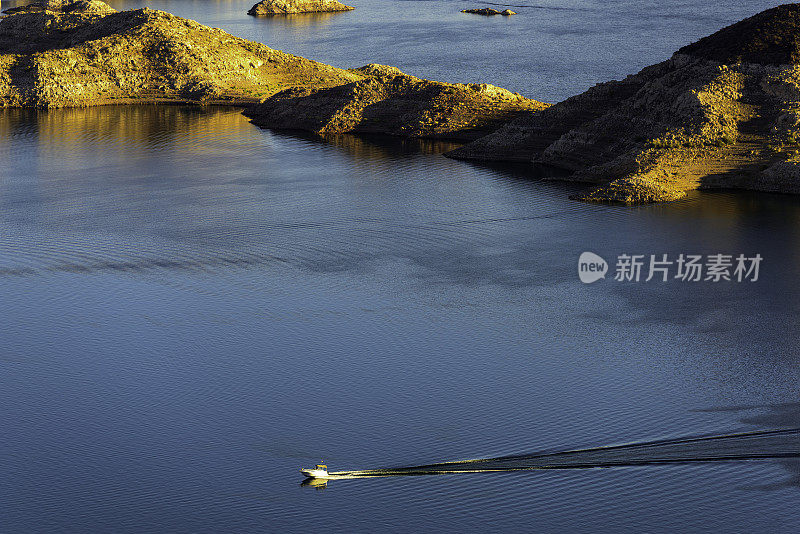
(754, 445)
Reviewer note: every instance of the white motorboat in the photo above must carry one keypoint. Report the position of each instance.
(318, 471)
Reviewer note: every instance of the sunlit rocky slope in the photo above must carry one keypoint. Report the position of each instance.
(81, 57)
(389, 101)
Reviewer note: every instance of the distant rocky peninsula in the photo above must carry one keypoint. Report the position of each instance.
(723, 112)
(388, 101)
(63, 6)
(267, 8)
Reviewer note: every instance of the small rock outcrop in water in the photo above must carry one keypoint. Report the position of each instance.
(71, 57)
(288, 7)
(723, 112)
(489, 11)
(388, 101)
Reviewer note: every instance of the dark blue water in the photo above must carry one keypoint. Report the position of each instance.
(193, 308)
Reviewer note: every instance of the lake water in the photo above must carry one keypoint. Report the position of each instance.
(193, 308)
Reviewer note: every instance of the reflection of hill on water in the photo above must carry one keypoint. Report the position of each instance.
(121, 128)
(374, 146)
(300, 20)
(379, 146)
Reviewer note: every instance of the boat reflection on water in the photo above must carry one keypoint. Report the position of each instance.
(316, 483)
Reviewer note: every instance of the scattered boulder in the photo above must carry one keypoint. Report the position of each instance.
(723, 112)
(487, 11)
(75, 57)
(387, 101)
(288, 7)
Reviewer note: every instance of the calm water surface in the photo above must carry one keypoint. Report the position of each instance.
(193, 307)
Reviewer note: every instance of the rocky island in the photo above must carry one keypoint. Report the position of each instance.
(289, 7)
(387, 101)
(723, 112)
(487, 11)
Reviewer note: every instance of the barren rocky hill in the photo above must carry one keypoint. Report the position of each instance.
(721, 113)
(75, 57)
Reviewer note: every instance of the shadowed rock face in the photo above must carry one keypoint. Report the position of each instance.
(387, 101)
(287, 7)
(73, 58)
(690, 122)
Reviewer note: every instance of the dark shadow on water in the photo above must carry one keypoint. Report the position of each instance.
(382, 146)
(373, 146)
(771, 415)
(732, 205)
(387, 145)
(557, 178)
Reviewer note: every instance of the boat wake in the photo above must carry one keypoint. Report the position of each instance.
(764, 444)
